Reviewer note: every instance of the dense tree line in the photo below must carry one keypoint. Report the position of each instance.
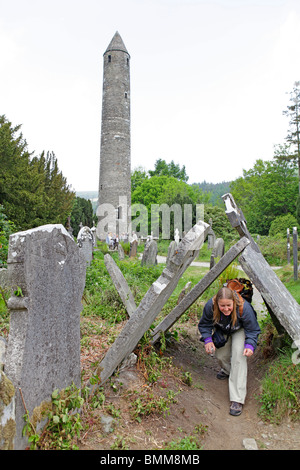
(33, 190)
(266, 191)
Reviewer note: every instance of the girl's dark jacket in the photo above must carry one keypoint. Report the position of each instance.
(247, 321)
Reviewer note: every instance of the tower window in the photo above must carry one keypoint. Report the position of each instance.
(109, 58)
(127, 61)
(125, 96)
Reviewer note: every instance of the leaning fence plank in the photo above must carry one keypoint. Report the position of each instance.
(272, 290)
(199, 288)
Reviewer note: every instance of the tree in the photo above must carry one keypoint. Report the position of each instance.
(82, 211)
(162, 168)
(6, 228)
(32, 189)
(293, 137)
(18, 189)
(137, 177)
(159, 190)
(266, 191)
(57, 196)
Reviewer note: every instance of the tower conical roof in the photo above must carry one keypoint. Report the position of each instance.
(116, 44)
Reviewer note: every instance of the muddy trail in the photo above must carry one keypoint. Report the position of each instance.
(200, 407)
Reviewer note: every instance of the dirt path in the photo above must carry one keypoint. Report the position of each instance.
(203, 404)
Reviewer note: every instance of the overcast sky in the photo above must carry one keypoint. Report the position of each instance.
(209, 80)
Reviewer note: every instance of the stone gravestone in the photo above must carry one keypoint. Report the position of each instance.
(121, 252)
(85, 241)
(150, 254)
(133, 249)
(218, 251)
(47, 272)
(120, 284)
(171, 250)
(153, 302)
(211, 237)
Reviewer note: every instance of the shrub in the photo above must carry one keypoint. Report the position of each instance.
(281, 224)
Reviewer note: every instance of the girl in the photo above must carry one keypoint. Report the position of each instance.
(222, 326)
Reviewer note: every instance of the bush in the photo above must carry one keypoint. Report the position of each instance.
(281, 224)
(273, 249)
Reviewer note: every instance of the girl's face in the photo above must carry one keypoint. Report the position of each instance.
(225, 306)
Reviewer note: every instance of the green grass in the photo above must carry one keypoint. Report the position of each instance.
(280, 397)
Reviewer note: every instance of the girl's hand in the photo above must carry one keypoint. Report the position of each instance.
(210, 348)
(247, 352)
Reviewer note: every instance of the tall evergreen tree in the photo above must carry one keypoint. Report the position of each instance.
(33, 191)
(293, 137)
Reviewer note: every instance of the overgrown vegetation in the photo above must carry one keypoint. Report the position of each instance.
(102, 318)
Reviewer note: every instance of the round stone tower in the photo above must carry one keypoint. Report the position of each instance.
(115, 165)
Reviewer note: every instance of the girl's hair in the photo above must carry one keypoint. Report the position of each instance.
(225, 293)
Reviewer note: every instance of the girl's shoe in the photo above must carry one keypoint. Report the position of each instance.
(235, 408)
(221, 375)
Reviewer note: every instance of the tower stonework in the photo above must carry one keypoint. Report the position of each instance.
(114, 197)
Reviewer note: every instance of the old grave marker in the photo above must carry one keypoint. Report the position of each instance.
(47, 275)
(120, 284)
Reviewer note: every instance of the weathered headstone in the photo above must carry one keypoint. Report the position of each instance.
(133, 249)
(94, 233)
(120, 284)
(211, 237)
(150, 254)
(121, 252)
(218, 251)
(171, 250)
(47, 275)
(153, 301)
